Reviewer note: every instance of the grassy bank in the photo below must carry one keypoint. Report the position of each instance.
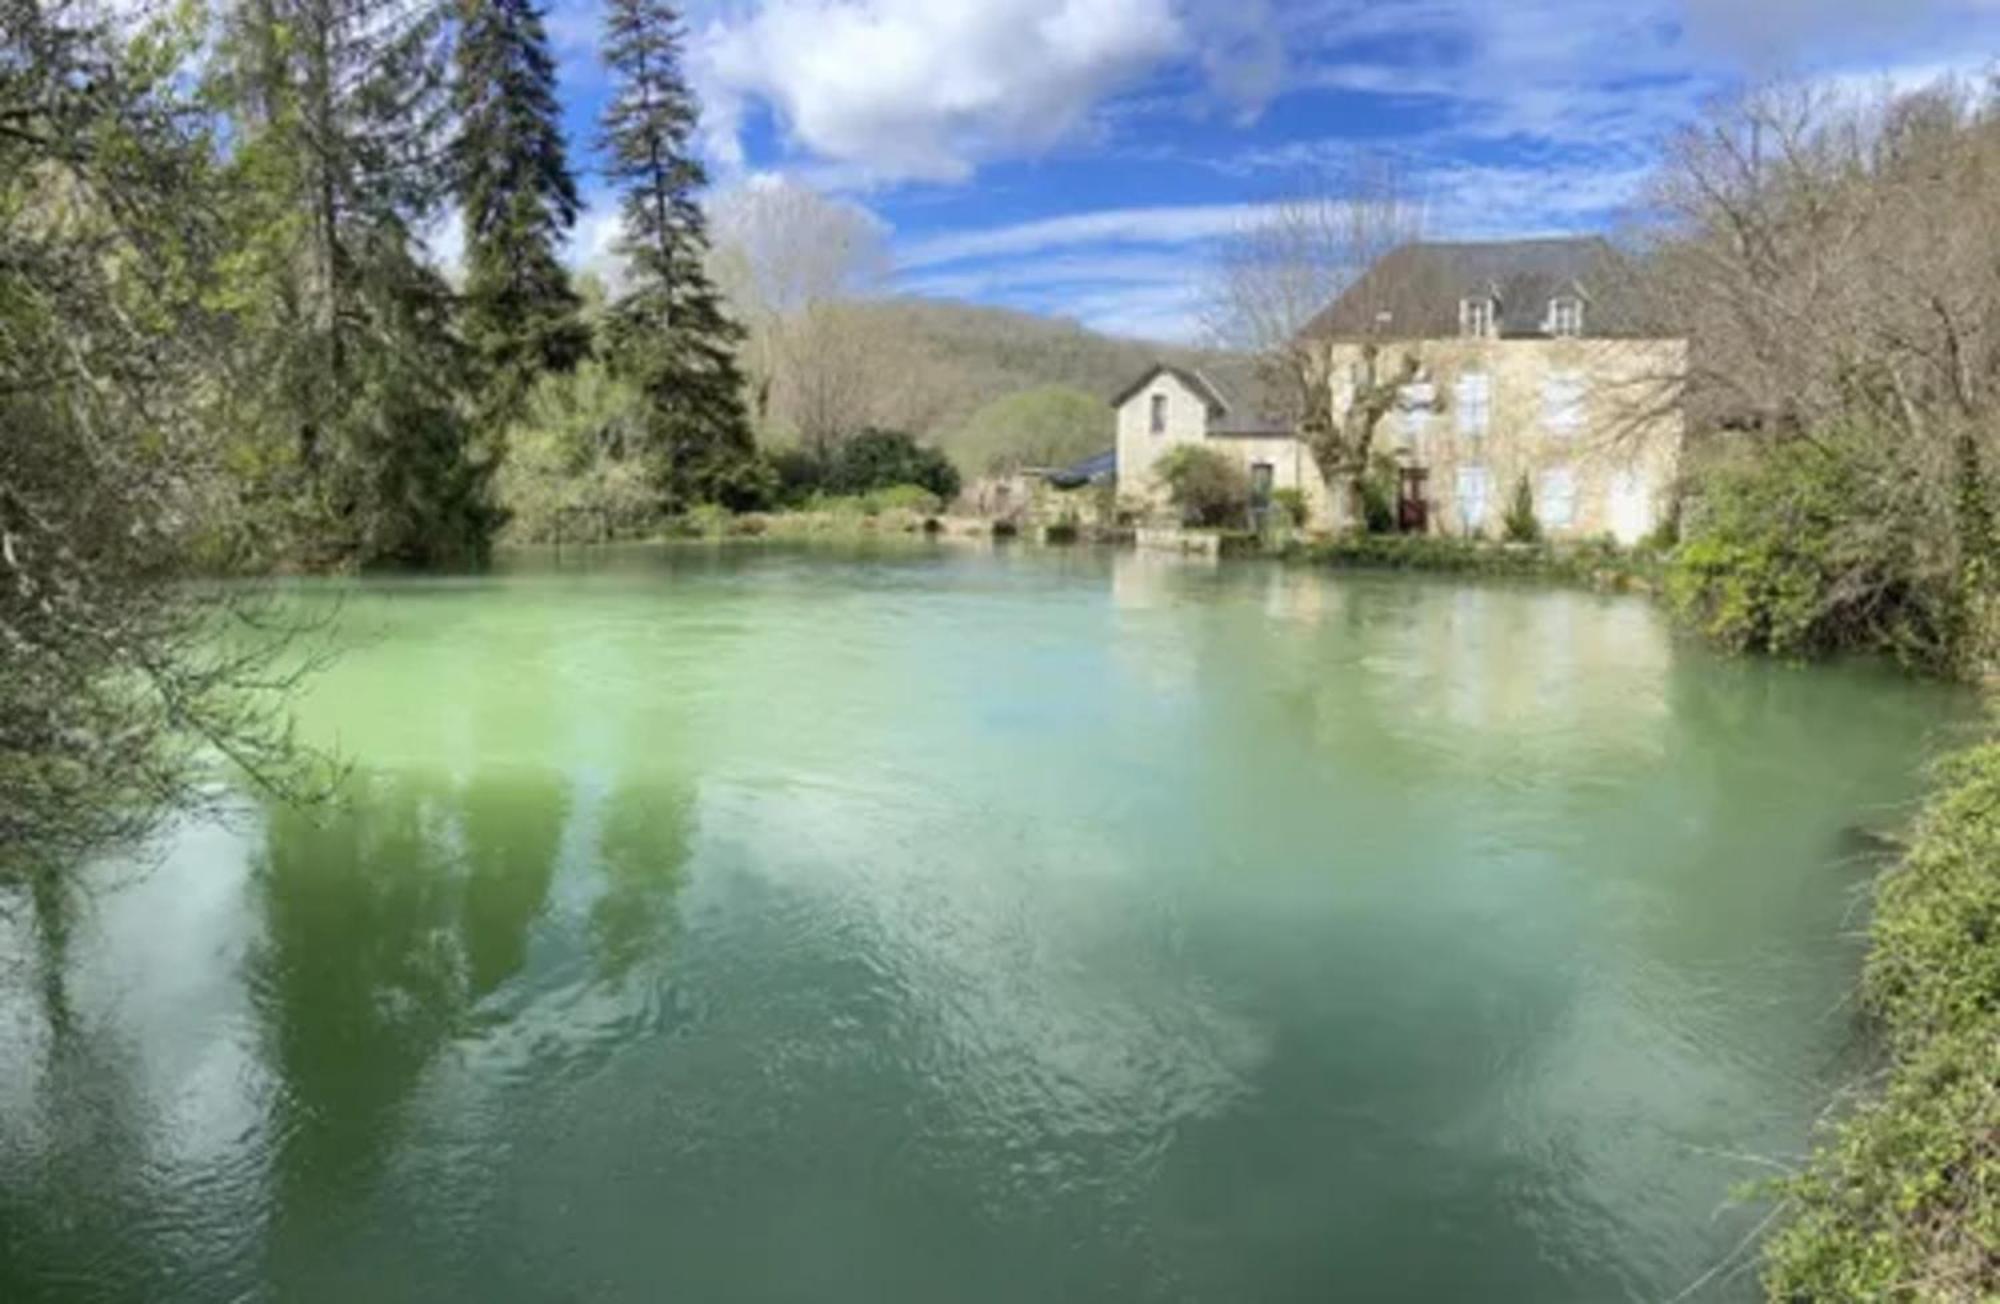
(1902, 1199)
(1597, 564)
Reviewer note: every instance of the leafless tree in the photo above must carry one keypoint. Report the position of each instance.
(791, 260)
(1273, 283)
(1830, 257)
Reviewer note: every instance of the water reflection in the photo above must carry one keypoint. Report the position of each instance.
(511, 823)
(980, 927)
(645, 834)
(361, 974)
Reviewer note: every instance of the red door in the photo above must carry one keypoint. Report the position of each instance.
(1413, 507)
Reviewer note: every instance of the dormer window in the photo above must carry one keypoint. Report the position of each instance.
(1475, 317)
(1566, 316)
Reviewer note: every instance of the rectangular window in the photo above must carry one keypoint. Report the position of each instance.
(1474, 493)
(1414, 403)
(1566, 317)
(1475, 403)
(1556, 498)
(1159, 414)
(1563, 402)
(1475, 318)
(1262, 476)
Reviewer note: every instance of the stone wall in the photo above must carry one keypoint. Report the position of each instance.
(1587, 421)
(1139, 450)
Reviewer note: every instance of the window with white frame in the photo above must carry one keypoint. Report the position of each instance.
(1563, 395)
(1475, 317)
(1159, 414)
(1414, 403)
(1566, 315)
(1475, 493)
(1474, 393)
(1556, 498)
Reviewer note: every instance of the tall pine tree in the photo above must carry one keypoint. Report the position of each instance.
(518, 198)
(349, 338)
(668, 332)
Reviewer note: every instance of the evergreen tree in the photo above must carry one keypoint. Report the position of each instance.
(518, 198)
(668, 332)
(349, 341)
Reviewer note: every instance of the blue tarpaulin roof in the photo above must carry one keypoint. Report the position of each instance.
(1089, 469)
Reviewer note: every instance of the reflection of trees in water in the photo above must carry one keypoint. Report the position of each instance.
(512, 825)
(360, 976)
(386, 919)
(72, 1168)
(646, 831)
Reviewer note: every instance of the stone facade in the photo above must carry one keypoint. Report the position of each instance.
(1187, 417)
(1585, 420)
(1589, 422)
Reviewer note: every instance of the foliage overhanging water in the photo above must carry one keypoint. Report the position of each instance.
(920, 925)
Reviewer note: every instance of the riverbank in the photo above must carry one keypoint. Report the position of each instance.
(1902, 1199)
(1598, 564)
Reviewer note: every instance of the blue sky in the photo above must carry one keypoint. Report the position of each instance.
(1080, 157)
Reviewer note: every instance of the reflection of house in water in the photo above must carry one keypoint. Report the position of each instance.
(1494, 667)
(1146, 578)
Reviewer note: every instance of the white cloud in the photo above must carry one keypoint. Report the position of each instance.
(1169, 225)
(925, 89)
(591, 245)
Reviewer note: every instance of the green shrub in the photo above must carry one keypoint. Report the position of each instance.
(1520, 525)
(1771, 560)
(879, 459)
(1291, 505)
(707, 520)
(1902, 1200)
(902, 498)
(1209, 488)
(1378, 489)
(1596, 564)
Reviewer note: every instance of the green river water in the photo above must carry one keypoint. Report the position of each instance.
(947, 925)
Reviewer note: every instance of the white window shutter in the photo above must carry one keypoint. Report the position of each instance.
(1474, 488)
(1475, 409)
(1563, 397)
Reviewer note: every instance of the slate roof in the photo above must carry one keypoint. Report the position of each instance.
(1419, 286)
(1239, 401)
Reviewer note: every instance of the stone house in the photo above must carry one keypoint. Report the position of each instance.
(1227, 409)
(1526, 361)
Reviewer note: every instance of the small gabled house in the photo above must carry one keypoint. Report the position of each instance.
(1227, 408)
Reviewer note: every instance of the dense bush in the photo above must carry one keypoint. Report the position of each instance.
(1208, 488)
(1903, 1200)
(1291, 505)
(877, 459)
(1771, 559)
(799, 475)
(1598, 564)
(1377, 490)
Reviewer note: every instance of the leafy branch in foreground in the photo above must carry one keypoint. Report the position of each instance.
(125, 688)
